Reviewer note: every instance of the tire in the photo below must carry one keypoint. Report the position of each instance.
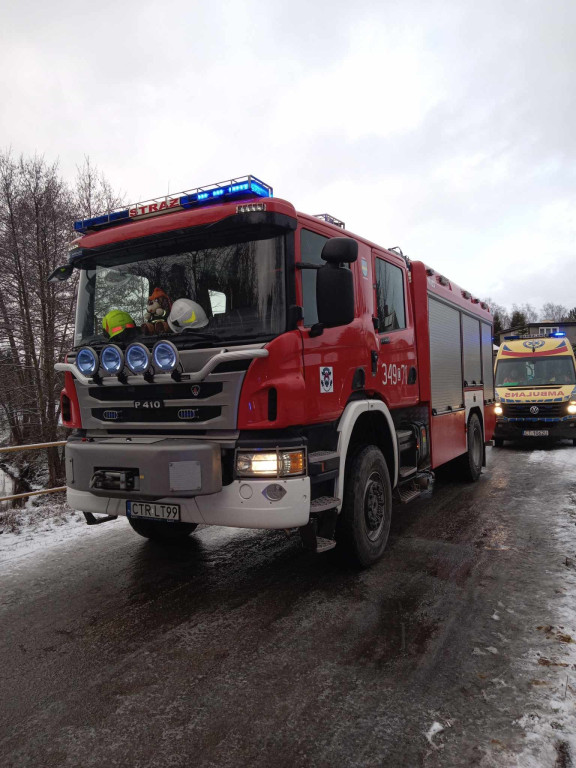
(161, 531)
(470, 463)
(574, 441)
(498, 442)
(364, 523)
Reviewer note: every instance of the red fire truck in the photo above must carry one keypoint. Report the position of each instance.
(238, 363)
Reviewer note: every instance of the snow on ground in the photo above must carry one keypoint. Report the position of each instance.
(44, 522)
(550, 725)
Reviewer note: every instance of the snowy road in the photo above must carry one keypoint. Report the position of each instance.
(241, 650)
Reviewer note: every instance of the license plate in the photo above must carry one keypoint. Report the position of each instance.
(535, 433)
(151, 511)
(149, 404)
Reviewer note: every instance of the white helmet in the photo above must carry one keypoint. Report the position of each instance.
(186, 313)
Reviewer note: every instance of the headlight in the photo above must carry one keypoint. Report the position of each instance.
(498, 409)
(87, 361)
(270, 464)
(165, 356)
(137, 358)
(112, 359)
(572, 407)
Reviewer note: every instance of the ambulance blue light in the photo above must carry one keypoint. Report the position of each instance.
(558, 334)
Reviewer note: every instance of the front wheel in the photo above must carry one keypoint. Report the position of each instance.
(364, 523)
(470, 463)
(158, 530)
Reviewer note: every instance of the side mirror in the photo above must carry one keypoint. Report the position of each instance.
(61, 273)
(340, 250)
(334, 295)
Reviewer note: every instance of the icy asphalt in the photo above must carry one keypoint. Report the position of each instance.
(239, 649)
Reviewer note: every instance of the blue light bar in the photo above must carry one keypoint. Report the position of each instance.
(245, 187)
(557, 334)
(102, 221)
(240, 189)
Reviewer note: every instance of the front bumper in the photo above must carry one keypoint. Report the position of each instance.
(242, 504)
(177, 471)
(513, 430)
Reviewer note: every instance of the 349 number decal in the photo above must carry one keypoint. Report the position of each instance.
(394, 374)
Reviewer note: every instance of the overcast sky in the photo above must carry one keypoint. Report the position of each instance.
(447, 128)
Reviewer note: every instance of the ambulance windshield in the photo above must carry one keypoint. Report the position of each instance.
(535, 371)
(225, 292)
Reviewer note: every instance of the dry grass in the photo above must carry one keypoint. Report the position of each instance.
(37, 510)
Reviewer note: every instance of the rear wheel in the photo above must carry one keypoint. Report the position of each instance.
(162, 531)
(364, 523)
(470, 464)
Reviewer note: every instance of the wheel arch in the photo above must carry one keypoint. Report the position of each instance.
(366, 422)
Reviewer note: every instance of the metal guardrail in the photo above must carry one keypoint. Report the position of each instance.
(31, 447)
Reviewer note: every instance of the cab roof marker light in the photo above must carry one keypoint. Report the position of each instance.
(224, 191)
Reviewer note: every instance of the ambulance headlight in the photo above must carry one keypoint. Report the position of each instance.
(165, 356)
(572, 407)
(87, 361)
(498, 409)
(137, 358)
(112, 359)
(269, 463)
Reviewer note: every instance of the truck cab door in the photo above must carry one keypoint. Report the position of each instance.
(394, 320)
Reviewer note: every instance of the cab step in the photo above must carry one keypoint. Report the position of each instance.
(323, 503)
(414, 485)
(406, 472)
(324, 545)
(408, 492)
(321, 462)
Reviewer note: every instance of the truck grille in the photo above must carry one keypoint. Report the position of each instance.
(156, 392)
(545, 410)
(157, 415)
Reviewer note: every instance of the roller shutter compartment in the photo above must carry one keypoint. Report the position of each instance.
(445, 360)
(471, 351)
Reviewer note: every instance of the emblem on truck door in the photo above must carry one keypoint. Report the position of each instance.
(326, 379)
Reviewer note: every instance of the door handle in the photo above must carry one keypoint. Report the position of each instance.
(385, 340)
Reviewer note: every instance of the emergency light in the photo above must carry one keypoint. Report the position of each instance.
(558, 334)
(222, 192)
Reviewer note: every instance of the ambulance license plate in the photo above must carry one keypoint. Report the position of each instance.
(149, 511)
(535, 433)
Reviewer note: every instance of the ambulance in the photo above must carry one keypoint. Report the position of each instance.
(535, 382)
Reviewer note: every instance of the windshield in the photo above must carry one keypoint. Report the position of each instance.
(222, 293)
(535, 371)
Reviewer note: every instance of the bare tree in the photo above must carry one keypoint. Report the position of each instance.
(529, 312)
(553, 312)
(36, 212)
